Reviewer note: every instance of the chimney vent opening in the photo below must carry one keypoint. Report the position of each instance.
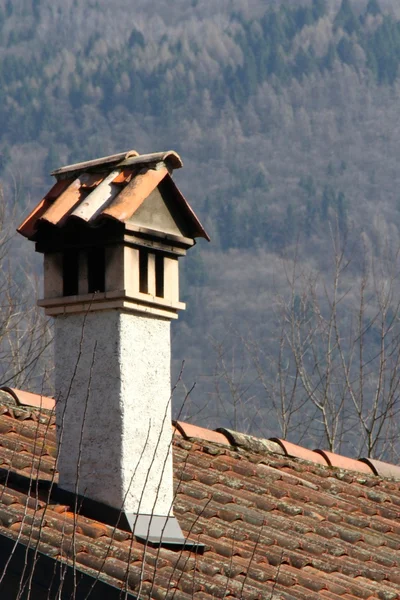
(96, 266)
(160, 275)
(70, 273)
(143, 271)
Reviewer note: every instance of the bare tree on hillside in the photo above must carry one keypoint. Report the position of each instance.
(24, 331)
(332, 377)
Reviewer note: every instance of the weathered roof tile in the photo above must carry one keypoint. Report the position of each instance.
(382, 468)
(112, 187)
(269, 522)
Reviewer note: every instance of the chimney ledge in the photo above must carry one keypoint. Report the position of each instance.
(185, 241)
(115, 295)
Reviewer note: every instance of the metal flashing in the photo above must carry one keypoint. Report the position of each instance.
(161, 531)
(156, 530)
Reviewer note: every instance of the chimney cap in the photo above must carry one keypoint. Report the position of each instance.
(110, 188)
(122, 159)
(97, 162)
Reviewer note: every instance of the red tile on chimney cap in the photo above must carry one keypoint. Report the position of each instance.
(188, 430)
(383, 469)
(28, 399)
(343, 462)
(296, 451)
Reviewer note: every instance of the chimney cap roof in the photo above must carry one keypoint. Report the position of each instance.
(112, 187)
(122, 159)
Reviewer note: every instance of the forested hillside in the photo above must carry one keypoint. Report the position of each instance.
(286, 115)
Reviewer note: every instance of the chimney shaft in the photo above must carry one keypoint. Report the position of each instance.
(113, 409)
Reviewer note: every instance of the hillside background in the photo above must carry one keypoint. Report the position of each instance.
(287, 117)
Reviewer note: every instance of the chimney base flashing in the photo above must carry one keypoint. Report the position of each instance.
(155, 530)
(161, 531)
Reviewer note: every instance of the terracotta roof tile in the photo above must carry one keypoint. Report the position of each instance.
(28, 399)
(382, 468)
(251, 443)
(62, 206)
(342, 462)
(110, 187)
(28, 226)
(193, 431)
(268, 521)
(299, 452)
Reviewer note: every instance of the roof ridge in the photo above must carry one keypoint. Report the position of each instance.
(122, 159)
(229, 437)
(31, 403)
(23, 398)
(103, 160)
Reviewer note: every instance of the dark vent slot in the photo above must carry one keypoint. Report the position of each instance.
(143, 271)
(96, 263)
(70, 273)
(160, 275)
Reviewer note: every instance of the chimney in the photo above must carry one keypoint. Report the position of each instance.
(112, 231)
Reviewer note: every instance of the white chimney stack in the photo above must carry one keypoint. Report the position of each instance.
(112, 231)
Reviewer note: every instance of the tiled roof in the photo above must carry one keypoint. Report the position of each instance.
(274, 526)
(112, 187)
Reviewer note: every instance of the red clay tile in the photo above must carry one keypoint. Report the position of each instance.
(324, 594)
(28, 399)
(134, 194)
(342, 462)
(105, 161)
(300, 452)
(193, 431)
(264, 519)
(382, 469)
(65, 203)
(134, 183)
(250, 442)
(28, 227)
(124, 176)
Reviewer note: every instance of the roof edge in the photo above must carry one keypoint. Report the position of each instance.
(123, 159)
(171, 159)
(23, 398)
(324, 458)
